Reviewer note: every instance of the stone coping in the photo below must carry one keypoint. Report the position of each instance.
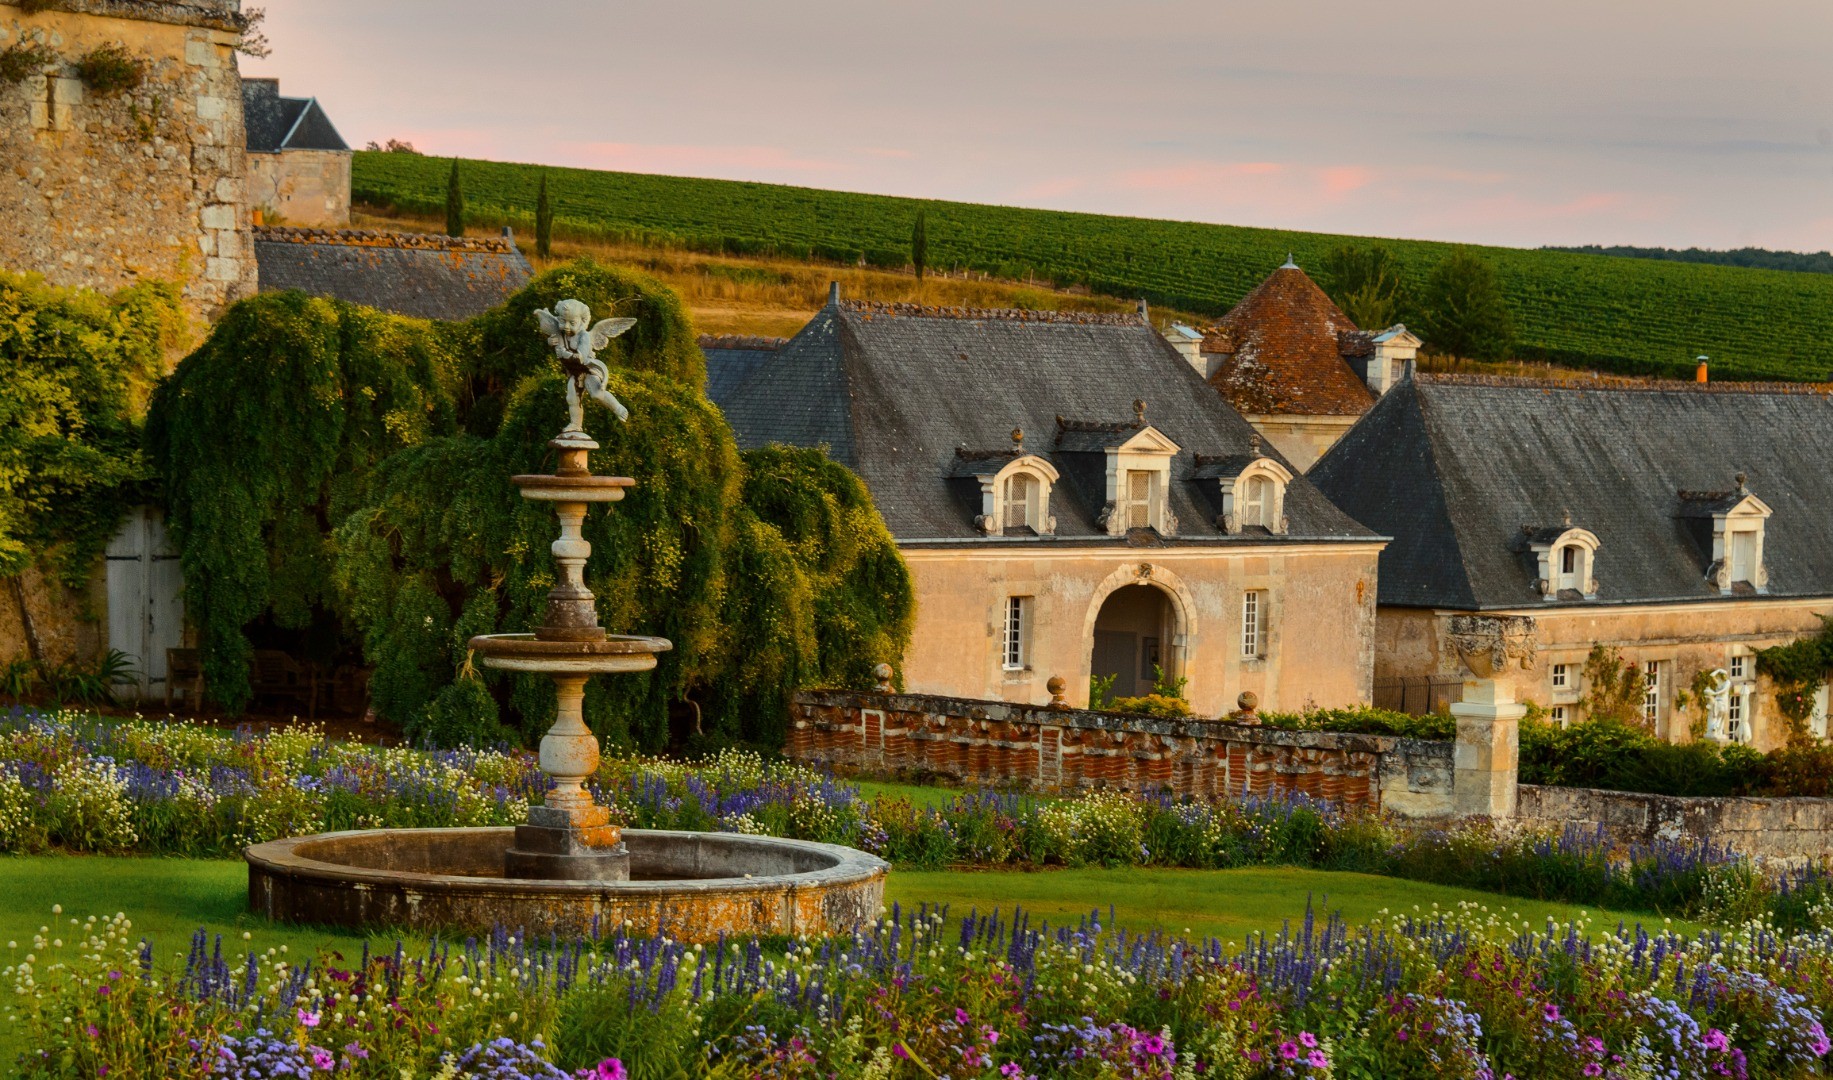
(1123, 723)
(213, 14)
(283, 858)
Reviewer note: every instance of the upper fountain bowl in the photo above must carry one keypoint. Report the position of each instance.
(581, 488)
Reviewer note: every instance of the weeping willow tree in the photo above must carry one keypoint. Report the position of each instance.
(411, 532)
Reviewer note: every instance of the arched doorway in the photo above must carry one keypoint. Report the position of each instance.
(1134, 633)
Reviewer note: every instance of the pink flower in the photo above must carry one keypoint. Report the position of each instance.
(1594, 1069)
(608, 1069)
(1153, 1045)
(961, 1016)
(898, 1051)
(1288, 1050)
(1317, 1060)
(322, 1059)
(309, 1019)
(1551, 1012)
(1309, 1040)
(1716, 1040)
(91, 1031)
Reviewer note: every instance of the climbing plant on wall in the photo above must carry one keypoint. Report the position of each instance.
(77, 368)
(1798, 670)
(418, 540)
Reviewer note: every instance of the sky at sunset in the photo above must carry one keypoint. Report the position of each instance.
(1674, 123)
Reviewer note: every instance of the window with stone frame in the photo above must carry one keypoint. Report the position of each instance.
(1015, 645)
(1651, 697)
(1139, 499)
(1254, 624)
(1257, 508)
(1020, 502)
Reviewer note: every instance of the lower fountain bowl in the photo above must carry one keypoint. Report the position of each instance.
(692, 886)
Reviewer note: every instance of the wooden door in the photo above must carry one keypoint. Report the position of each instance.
(146, 611)
(1117, 654)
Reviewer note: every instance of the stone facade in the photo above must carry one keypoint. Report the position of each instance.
(305, 188)
(1319, 620)
(102, 191)
(1051, 749)
(1682, 640)
(1790, 829)
(1302, 439)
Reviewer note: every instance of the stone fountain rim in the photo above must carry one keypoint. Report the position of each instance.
(851, 866)
(528, 645)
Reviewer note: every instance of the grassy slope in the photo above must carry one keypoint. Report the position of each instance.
(1629, 315)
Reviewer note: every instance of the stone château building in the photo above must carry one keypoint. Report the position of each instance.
(1289, 360)
(298, 165)
(1683, 523)
(1072, 499)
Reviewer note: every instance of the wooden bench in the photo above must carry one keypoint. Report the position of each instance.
(184, 671)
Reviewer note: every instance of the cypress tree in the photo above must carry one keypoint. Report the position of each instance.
(455, 204)
(919, 245)
(544, 220)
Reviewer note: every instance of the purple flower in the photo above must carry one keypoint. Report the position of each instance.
(1288, 1050)
(1551, 1012)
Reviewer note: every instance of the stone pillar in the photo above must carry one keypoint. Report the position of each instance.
(1488, 750)
(1487, 755)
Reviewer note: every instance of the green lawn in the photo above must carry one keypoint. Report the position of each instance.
(168, 899)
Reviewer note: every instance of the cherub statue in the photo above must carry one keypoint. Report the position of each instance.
(576, 344)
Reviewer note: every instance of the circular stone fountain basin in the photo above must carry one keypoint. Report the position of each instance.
(692, 886)
(611, 654)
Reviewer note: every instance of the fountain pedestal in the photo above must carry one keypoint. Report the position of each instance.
(570, 837)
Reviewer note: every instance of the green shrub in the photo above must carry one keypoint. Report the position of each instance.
(1158, 705)
(23, 59)
(1365, 720)
(110, 69)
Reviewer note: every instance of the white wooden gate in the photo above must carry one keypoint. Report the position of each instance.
(146, 611)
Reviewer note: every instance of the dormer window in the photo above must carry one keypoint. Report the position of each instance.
(1565, 559)
(1139, 484)
(1253, 491)
(1014, 492)
(1729, 527)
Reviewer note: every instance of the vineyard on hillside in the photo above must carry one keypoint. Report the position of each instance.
(1626, 315)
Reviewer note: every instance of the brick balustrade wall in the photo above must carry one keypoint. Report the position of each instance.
(1049, 749)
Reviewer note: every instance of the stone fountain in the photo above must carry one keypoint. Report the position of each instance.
(570, 869)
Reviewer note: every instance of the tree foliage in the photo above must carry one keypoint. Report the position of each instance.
(1462, 309)
(919, 245)
(376, 487)
(78, 368)
(544, 222)
(1615, 688)
(455, 203)
(1366, 282)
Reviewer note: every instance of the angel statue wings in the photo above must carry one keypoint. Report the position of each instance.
(576, 341)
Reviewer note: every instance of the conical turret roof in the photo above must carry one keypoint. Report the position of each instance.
(1286, 347)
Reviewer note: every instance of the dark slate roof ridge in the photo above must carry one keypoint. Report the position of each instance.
(1370, 474)
(290, 234)
(741, 341)
(1462, 587)
(929, 311)
(1621, 383)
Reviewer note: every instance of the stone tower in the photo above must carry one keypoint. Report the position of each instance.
(103, 189)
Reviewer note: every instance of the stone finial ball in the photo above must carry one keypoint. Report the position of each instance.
(1248, 701)
(882, 673)
(1056, 685)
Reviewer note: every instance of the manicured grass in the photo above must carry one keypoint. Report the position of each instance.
(168, 899)
(920, 795)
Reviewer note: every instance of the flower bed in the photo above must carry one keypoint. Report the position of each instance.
(159, 788)
(1464, 994)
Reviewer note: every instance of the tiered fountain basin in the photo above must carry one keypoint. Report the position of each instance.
(691, 886)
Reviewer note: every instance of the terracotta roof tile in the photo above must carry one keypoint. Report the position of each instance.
(1283, 349)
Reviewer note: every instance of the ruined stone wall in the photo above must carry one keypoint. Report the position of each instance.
(102, 191)
(304, 188)
(1792, 829)
(1049, 749)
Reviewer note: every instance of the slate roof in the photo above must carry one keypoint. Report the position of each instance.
(274, 123)
(1457, 468)
(1285, 348)
(420, 274)
(897, 392)
(730, 360)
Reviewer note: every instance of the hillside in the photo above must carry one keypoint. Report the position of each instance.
(1812, 262)
(1624, 315)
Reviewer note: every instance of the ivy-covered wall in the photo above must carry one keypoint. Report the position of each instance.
(330, 464)
(76, 368)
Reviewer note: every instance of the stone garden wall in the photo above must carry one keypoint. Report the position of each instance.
(1049, 749)
(1795, 829)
